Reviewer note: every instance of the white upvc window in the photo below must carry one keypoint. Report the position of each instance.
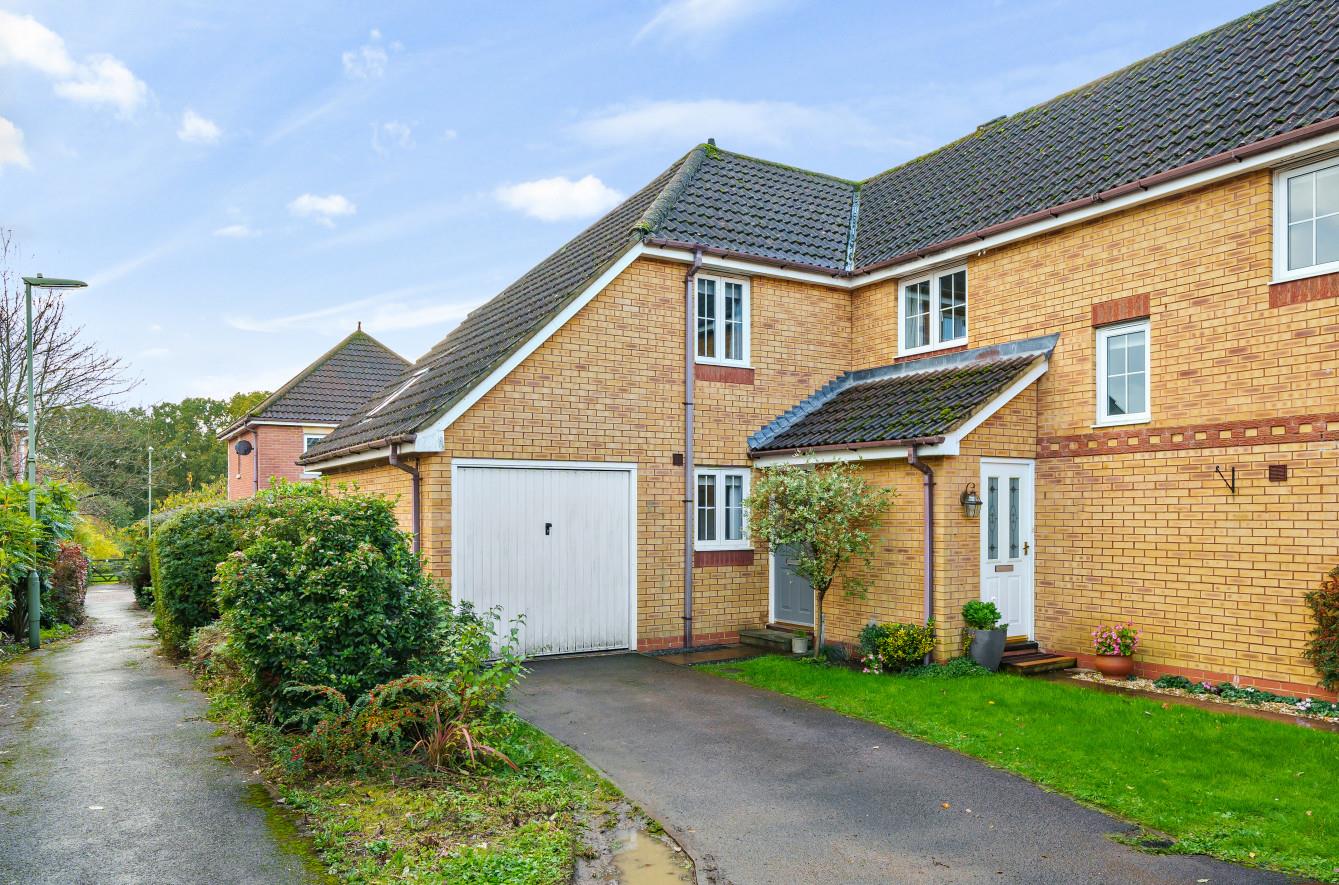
(308, 440)
(722, 320)
(1123, 373)
(932, 311)
(1306, 220)
(718, 508)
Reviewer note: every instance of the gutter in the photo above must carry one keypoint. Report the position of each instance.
(853, 446)
(929, 579)
(689, 476)
(414, 493)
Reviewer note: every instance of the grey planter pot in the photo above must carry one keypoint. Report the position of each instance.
(988, 647)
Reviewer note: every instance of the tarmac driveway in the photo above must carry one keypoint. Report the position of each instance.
(761, 788)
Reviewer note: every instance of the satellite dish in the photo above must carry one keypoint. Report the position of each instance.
(243, 447)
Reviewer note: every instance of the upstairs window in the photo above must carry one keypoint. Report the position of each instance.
(722, 321)
(933, 311)
(1306, 220)
(1122, 373)
(719, 509)
(309, 440)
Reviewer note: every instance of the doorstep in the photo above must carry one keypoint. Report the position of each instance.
(1024, 657)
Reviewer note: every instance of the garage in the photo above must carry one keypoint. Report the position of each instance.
(553, 541)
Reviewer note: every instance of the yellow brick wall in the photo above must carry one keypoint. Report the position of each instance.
(608, 386)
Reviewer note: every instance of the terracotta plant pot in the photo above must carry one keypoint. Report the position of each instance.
(1114, 666)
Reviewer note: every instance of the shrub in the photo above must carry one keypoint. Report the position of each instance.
(325, 592)
(1118, 639)
(138, 574)
(27, 544)
(187, 549)
(18, 550)
(981, 615)
(895, 647)
(956, 668)
(64, 600)
(1323, 649)
(211, 655)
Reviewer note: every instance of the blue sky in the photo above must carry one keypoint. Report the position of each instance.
(242, 182)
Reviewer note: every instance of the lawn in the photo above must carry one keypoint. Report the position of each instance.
(1239, 788)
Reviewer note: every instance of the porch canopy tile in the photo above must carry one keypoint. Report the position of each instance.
(918, 400)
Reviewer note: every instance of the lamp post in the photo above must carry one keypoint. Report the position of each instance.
(150, 494)
(34, 583)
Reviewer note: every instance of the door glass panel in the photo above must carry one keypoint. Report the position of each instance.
(1013, 517)
(706, 318)
(734, 508)
(706, 508)
(992, 518)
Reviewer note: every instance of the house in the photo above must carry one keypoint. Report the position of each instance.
(301, 412)
(1111, 316)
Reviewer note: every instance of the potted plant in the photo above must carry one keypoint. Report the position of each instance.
(988, 634)
(799, 642)
(1114, 648)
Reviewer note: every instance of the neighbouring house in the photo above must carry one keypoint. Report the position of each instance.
(265, 444)
(1113, 317)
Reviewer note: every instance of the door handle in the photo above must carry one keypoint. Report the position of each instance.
(548, 526)
(1025, 548)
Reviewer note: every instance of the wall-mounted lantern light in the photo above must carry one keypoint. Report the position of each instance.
(971, 501)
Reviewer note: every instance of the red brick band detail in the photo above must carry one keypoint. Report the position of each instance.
(660, 643)
(711, 558)
(1153, 671)
(1257, 432)
(725, 374)
(1118, 310)
(1304, 290)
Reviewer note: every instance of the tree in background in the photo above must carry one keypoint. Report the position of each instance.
(70, 372)
(825, 517)
(187, 452)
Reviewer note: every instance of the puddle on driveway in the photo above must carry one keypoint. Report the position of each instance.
(644, 859)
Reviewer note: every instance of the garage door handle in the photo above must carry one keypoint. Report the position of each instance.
(547, 527)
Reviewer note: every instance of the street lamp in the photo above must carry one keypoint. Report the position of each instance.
(150, 494)
(34, 585)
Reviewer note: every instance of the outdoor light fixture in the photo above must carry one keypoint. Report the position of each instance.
(34, 583)
(971, 501)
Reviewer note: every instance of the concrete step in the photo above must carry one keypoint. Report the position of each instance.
(772, 640)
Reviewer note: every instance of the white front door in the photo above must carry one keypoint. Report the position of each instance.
(1006, 541)
(552, 541)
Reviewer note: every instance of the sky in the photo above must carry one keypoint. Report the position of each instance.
(241, 183)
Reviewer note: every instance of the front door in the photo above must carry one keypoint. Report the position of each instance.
(792, 597)
(1006, 541)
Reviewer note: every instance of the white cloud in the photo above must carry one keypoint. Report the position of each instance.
(703, 18)
(324, 210)
(198, 129)
(390, 135)
(389, 311)
(236, 232)
(130, 265)
(12, 152)
(98, 79)
(749, 124)
(556, 199)
(368, 61)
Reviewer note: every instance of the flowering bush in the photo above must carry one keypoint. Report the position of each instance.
(895, 647)
(1118, 639)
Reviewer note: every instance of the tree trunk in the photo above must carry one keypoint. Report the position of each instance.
(818, 624)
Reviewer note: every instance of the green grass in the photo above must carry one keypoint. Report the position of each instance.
(1243, 789)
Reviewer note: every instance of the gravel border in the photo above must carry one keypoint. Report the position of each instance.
(1147, 685)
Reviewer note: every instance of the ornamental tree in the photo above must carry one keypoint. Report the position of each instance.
(827, 515)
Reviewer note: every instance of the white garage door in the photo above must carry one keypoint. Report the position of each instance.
(551, 541)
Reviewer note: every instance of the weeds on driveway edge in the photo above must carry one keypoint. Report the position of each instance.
(1246, 790)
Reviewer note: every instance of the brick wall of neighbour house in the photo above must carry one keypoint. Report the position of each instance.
(278, 446)
(608, 386)
(1132, 522)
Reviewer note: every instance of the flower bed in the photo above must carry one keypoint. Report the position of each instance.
(1223, 693)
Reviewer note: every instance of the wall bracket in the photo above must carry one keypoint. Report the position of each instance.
(1231, 482)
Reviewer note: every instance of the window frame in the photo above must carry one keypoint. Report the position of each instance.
(745, 542)
(1281, 179)
(308, 440)
(936, 342)
(1124, 328)
(720, 281)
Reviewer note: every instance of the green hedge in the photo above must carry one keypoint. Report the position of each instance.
(186, 550)
(326, 592)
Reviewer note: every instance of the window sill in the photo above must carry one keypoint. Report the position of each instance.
(724, 373)
(1133, 422)
(711, 558)
(933, 348)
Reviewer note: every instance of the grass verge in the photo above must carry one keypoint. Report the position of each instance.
(413, 825)
(1238, 788)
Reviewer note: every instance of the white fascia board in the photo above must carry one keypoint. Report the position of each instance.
(1286, 154)
(431, 439)
(952, 444)
(359, 457)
